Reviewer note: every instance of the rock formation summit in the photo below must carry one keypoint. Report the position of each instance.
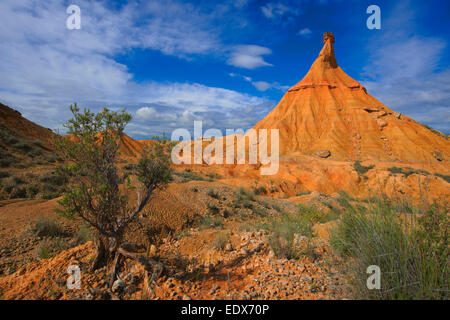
(329, 113)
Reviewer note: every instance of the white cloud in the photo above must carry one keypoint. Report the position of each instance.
(46, 67)
(272, 10)
(305, 32)
(249, 56)
(261, 85)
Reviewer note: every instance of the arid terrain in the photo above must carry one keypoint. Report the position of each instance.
(217, 228)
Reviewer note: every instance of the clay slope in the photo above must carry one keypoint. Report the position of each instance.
(13, 121)
(328, 110)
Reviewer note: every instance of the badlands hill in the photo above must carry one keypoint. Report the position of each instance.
(330, 114)
(12, 120)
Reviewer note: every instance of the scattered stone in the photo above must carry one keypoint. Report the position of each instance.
(153, 250)
(437, 155)
(243, 251)
(118, 285)
(323, 153)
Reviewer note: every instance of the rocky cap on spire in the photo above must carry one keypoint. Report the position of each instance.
(328, 36)
(325, 71)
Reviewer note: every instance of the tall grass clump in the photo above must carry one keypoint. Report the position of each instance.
(411, 249)
(284, 233)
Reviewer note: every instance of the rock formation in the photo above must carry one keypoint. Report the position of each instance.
(328, 110)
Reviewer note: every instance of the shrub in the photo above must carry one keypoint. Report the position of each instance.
(51, 195)
(303, 193)
(360, 168)
(259, 190)
(443, 176)
(213, 194)
(34, 153)
(213, 176)
(284, 231)
(18, 192)
(47, 228)
(407, 171)
(208, 221)
(187, 175)
(315, 215)
(43, 252)
(221, 240)
(84, 234)
(7, 161)
(54, 178)
(213, 209)
(276, 207)
(32, 190)
(262, 212)
(23, 146)
(130, 167)
(411, 251)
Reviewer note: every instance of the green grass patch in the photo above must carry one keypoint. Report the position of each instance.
(47, 228)
(188, 175)
(443, 176)
(407, 171)
(208, 221)
(412, 252)
(221, 240)
(360, 168)
(212, 193)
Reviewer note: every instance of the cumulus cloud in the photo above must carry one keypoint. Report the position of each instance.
(403, 73)
(249, 56)
(46, 67)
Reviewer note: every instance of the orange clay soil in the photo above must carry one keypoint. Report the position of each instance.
(13, 120)
(245, 268)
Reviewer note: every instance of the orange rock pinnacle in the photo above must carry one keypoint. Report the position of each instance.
(328, 112)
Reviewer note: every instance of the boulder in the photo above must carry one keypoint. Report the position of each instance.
(323, 153)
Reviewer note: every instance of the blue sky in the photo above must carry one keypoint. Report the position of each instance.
(227, 63)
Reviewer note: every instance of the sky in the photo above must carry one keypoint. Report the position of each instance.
(226, 63)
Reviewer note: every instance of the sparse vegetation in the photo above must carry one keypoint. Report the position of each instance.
(208, 221)
(221, 240)
(188, 175)
(360, 168)
(213, 194)
(411, 250)
(284, 232)
(47, 228)
(84, 234)
(43, 252)
(213, 176)
(213, 209)
(436, 131)
(443, 176)
(407, 171)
